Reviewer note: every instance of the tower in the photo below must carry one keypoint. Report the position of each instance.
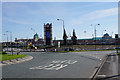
(48, 34)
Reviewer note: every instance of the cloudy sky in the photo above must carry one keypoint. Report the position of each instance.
(20, 17)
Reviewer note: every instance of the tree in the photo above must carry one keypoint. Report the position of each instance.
(65, 37)
(74, 38)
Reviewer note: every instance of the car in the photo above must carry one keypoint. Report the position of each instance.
(69, 49)
(117, 48)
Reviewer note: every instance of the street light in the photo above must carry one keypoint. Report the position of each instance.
(34, 34)
(63, 22)
(7, 41)
(95, 33)
(85, 36)
(33, 30)
(103, 32)
(102, 38)
(111, 34)
(65, 40)
(11, 40)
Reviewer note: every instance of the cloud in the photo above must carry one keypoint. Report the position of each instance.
(16, 21)
(98, 14)
(102, 13)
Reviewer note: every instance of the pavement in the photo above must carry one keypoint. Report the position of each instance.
(110, 70)
(15, 61)
(57, 65)
(119, 66)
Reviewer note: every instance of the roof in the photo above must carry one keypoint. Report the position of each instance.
(106, 34)
(36, 35)
(97, 38)
(85, 39)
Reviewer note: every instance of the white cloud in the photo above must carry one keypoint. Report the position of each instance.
(98, 14)
(102, 13)
(16, 21)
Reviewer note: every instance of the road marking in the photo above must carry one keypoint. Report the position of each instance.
(62, 66)
(101, 76)
(55, 65)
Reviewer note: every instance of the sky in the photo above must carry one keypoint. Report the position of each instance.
(20, 17)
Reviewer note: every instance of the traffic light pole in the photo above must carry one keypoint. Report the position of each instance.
(116, 42)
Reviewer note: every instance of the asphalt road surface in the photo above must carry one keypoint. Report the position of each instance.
(56, 65)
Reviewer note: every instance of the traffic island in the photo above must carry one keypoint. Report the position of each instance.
(10, 56)
(7, 59)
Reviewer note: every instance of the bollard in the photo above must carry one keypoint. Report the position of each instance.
(55, 50)
(18, 52)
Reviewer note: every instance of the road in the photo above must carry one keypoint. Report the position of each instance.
(56, 65)
(110, 68)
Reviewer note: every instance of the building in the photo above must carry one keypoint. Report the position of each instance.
(36, 41)
(48, 34)
(106, 39)
(106, 36)
(36, 37)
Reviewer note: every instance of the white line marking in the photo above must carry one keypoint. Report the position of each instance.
(62, 66)
(55, 65)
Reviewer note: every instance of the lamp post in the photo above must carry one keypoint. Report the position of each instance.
(102, 38)
(33, 30)
(64, 33)
(85, 36)
(111, 34)
(95, 33)
(7, 41)
(111, 41)
(11, 41)
(63, 22)
(33, 39)
(103, 32)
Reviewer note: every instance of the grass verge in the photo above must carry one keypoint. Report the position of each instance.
(4, 57)
(119, 54)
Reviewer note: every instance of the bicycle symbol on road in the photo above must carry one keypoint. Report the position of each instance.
(55, 65)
